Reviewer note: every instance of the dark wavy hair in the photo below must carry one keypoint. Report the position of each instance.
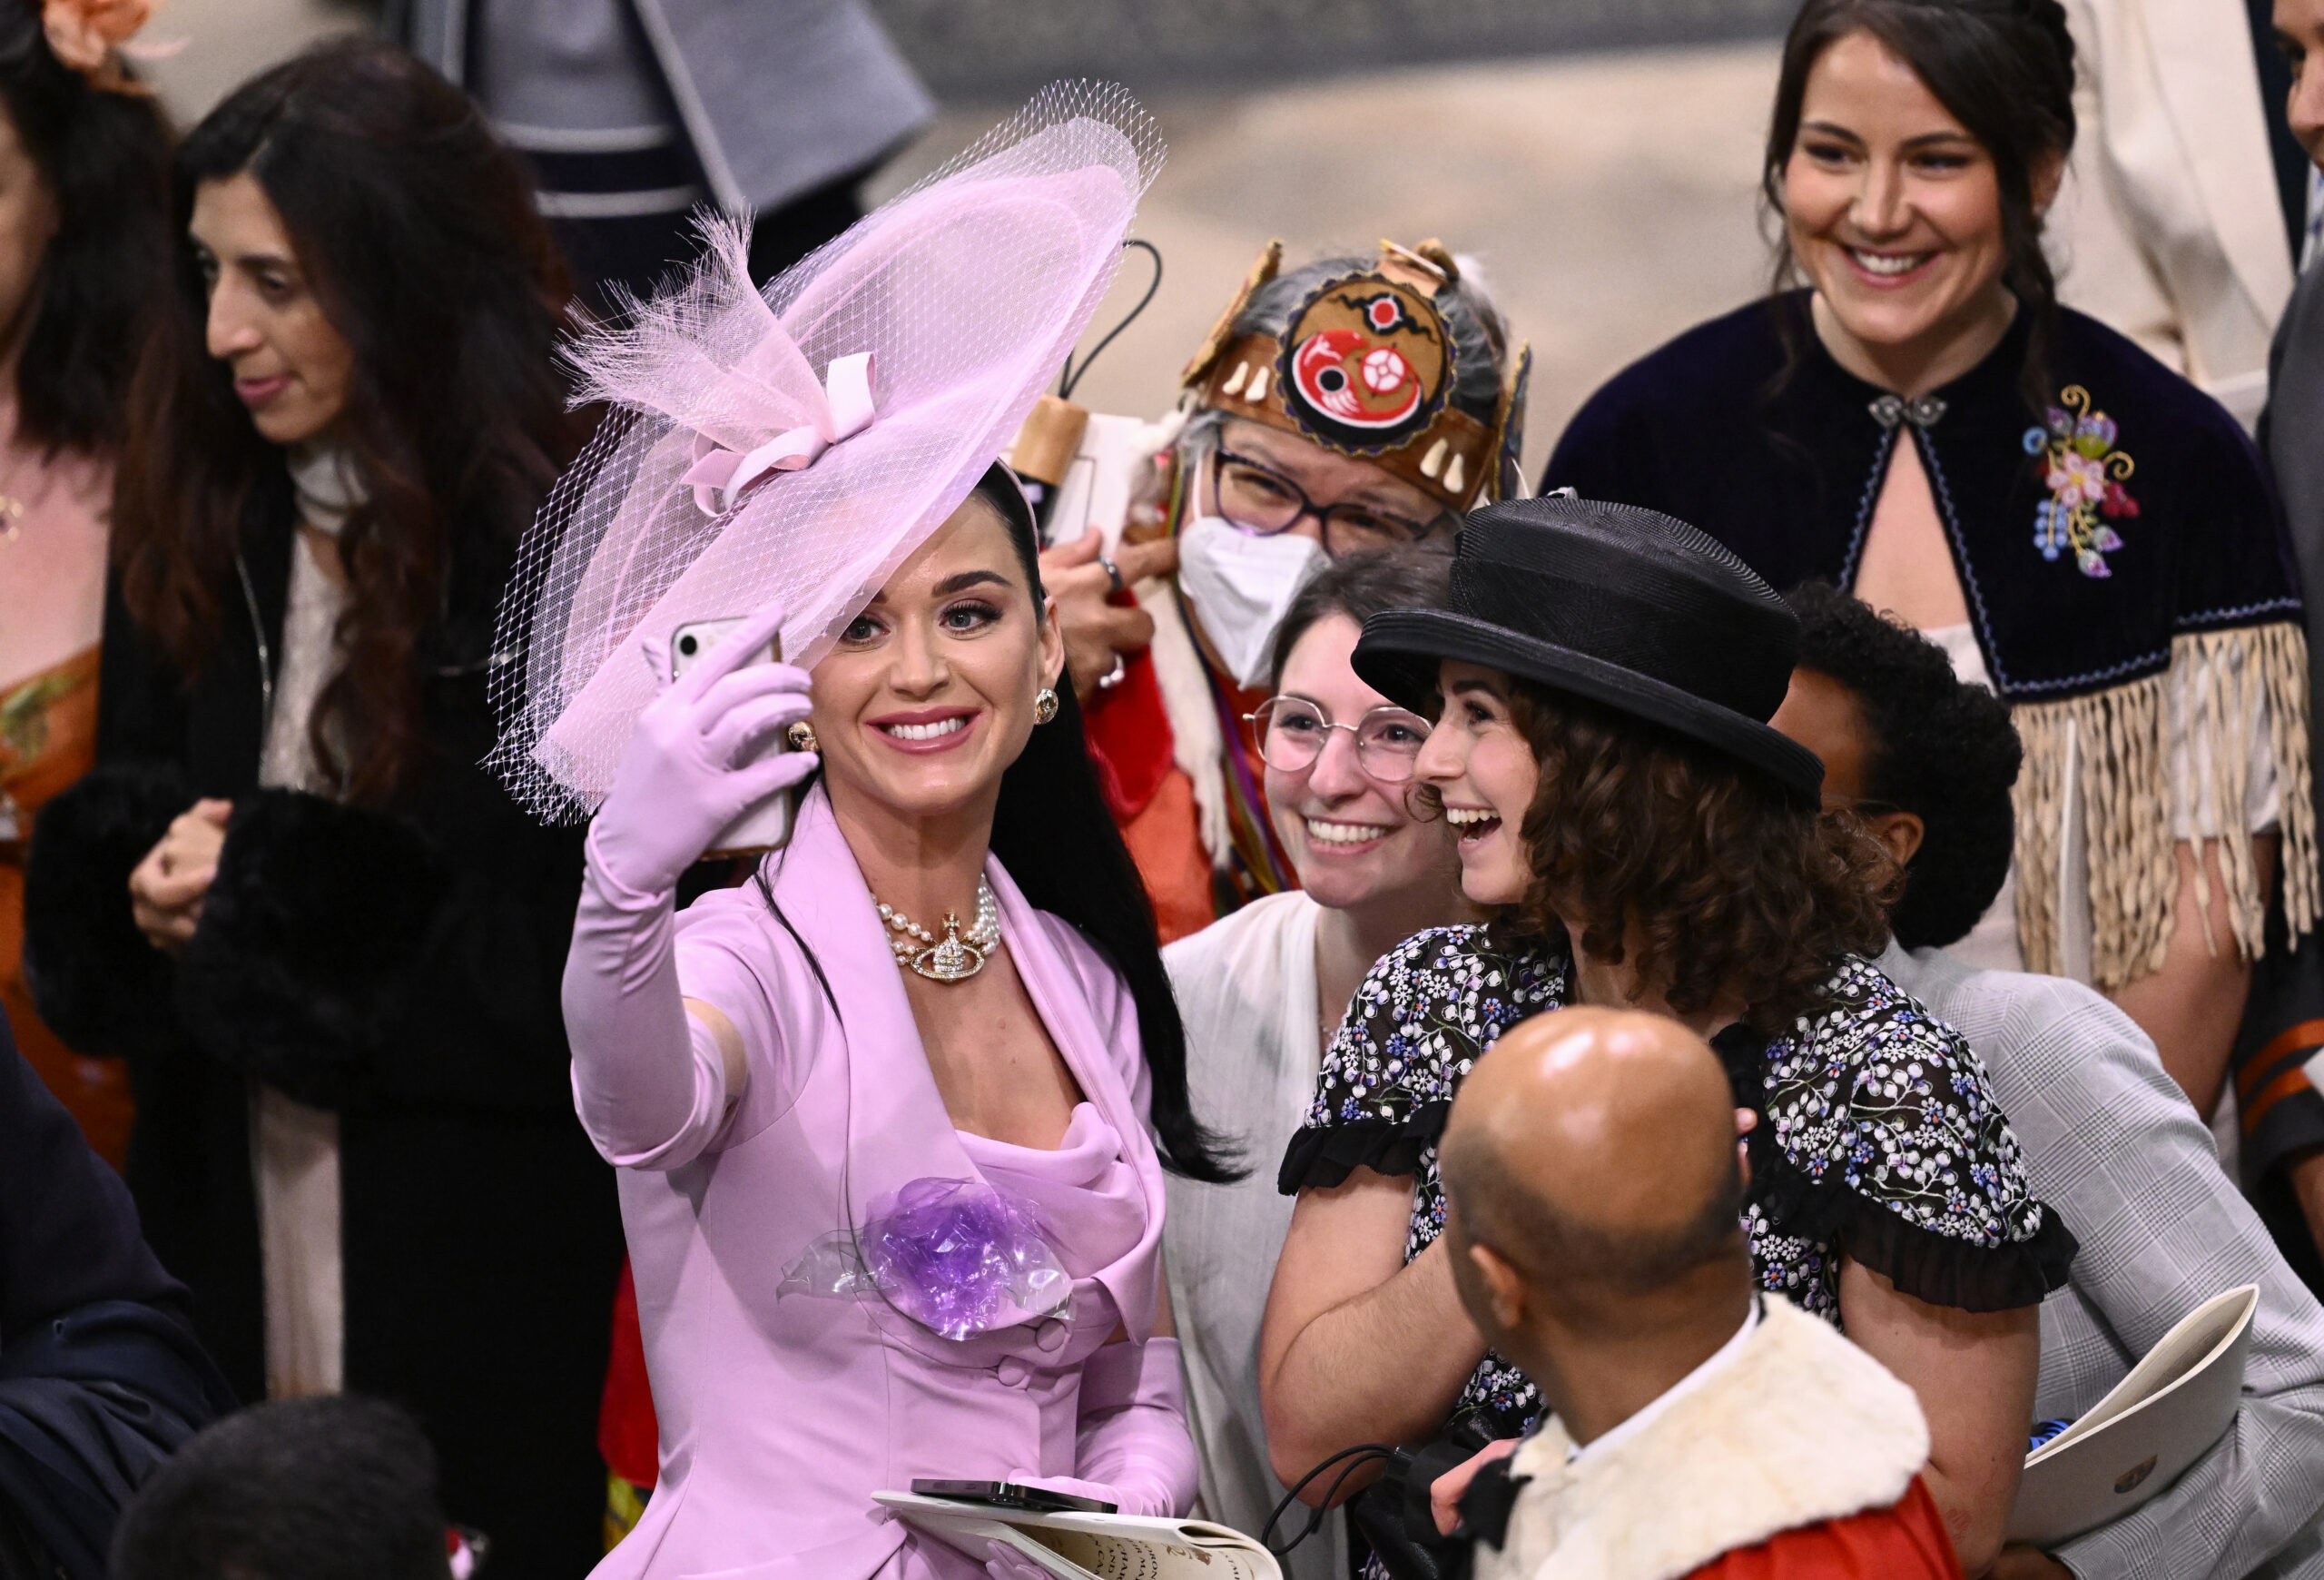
(1727, 884)
(106, 159)
(1938, 747)
(1054, 833)
(418, 232)
(2004, 68)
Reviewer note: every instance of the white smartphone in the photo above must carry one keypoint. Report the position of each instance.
(767, 826)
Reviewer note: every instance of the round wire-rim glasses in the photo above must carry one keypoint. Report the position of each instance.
(1291, 732)
(1252, 497)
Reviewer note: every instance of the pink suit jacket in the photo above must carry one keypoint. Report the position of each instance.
(780, 1417)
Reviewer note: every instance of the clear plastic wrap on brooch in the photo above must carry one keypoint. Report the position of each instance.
(957, 1256)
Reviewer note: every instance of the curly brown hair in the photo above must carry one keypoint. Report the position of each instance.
(1725, 886)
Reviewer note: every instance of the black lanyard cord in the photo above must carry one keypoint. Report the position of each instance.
(1359, 1456)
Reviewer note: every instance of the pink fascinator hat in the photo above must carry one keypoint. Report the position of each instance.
(798, 444)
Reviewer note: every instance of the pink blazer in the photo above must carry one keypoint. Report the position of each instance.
(779, 1417)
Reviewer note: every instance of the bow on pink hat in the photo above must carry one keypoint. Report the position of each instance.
(842, 409)
(740, 465)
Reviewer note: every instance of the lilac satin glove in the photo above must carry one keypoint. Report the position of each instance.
(1131, 1448)
(648, 1081)
(678, 783)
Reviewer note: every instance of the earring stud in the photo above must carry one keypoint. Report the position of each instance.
(1044, 705)
(801, 736)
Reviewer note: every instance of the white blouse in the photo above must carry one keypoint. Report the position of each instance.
(294, 1147)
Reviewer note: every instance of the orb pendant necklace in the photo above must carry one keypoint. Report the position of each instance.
(955, 957)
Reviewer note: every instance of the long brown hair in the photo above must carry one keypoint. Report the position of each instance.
(2004, 68)
(1723, 882)
(105, 156)
(419, 234)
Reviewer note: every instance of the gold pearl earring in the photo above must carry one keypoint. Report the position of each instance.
(801, 736)
(1044, 705)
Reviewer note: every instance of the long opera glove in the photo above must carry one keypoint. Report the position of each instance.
(647, 1079)
(1131, 1448)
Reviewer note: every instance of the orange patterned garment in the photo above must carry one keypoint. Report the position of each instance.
(48, 739)
(53, 515)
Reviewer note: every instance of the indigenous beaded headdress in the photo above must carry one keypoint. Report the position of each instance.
(1366, 367)
(798, 444)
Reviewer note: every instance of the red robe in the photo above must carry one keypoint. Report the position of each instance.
(1905, 1541)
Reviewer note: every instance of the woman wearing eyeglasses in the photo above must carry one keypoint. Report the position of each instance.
(1641, 838)
(1261, 991)
(1349, 404)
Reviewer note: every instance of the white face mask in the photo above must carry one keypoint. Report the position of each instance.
(1239, 586)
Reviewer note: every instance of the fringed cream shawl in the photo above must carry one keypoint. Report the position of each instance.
(2130, 587)
(2110, 750)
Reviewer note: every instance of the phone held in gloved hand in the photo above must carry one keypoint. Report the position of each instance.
(767, 826)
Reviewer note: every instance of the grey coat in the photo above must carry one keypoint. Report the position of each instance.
(2113, 1145)
(777, 97)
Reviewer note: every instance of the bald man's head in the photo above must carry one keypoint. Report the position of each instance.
(1593, 1151)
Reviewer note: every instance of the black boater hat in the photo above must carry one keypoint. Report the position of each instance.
(1631, 609)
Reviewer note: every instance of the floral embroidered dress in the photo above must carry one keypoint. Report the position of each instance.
(2130, 587)
(1878, 1139)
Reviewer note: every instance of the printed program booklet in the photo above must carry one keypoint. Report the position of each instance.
(2157, 1421)
(1091, 1546)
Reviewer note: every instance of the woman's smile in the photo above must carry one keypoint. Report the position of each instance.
(258, 392)
(921, 731)
(1882, 270)
(1474, 822)
(1330, 837)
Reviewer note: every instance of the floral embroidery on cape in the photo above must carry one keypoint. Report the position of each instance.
(2085, 479)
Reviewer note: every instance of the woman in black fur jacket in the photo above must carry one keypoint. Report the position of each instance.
(326, 940)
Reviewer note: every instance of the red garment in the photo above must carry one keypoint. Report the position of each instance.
(1905, 1541)
(628, 1435)
(1130, 738)
(1166, 842)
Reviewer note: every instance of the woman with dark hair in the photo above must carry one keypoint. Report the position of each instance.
(891, 1120)
(1274, 468)
(325, 937)
(989, 1079)
(1262, 989)
(1644, 839)
(84, 164)
(1925, 427)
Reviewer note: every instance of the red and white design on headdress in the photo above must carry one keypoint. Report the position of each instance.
(1367, 363)
(1367, 366)
(1356, 381)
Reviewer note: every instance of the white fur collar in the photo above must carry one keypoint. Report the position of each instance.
(1800, 1427)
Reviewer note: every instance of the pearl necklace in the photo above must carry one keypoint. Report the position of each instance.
(957, 957)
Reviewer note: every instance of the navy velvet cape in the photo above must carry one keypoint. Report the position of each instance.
(1746, 428)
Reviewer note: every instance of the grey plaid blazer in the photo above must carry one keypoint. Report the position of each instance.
(2112, 1143)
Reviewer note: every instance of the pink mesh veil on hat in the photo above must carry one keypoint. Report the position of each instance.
(799, 444)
